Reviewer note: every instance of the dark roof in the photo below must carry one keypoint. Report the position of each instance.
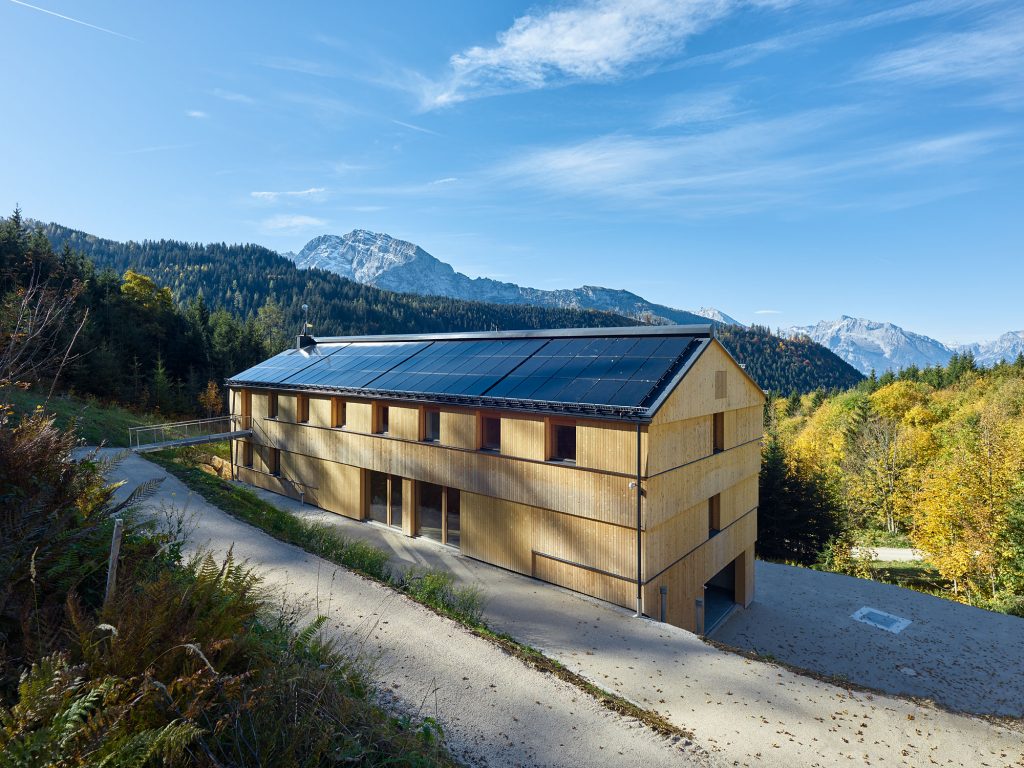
(619, 373)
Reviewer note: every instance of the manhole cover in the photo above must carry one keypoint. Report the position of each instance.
(881, 619)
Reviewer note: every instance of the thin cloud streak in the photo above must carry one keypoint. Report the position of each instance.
(312, 192)
(778, 163)
(196, 114)
(292, 222)
(412, 127)
(239, 98)
(993, 52)
(75, 21)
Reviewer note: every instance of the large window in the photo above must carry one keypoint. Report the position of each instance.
(379, 497)
(302, 408)
(385, 499)
(381, 427)
(490, 433)
(563, 442)
(439, 513)
(453, 517)
(432, 425)
(246, 453)
(431, 502)
(718, 432)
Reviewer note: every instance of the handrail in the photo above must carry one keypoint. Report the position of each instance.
(181, 430)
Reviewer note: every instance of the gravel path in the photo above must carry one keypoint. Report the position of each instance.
(495, 710)
(962, 657)
(742, 712)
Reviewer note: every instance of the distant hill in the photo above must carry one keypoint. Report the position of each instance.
(378, 259)
(241, 278)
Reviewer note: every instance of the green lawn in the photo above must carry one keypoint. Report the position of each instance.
(94, 421)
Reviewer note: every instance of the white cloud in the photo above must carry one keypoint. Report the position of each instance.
(696, 108)
(239, 98)
(312, 192)
(767, 311)
(292, 222)
(593, 41)
(197, 114)
(811, 157)
(993, 52)
(445, 180)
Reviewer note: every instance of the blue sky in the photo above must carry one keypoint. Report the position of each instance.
(784, 161)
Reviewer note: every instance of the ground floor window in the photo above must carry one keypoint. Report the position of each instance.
(385, 499)
(438, 513)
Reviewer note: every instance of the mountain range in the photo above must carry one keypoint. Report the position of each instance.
(380, 260)
(868, 345)
(259, 285)
(383, 261)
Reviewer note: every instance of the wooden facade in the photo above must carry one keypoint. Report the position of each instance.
(521, 507)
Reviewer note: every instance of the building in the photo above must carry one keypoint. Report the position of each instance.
(618, 462)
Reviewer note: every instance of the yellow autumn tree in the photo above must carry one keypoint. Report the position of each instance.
(966, 497)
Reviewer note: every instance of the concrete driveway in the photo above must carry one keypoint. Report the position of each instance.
(743, 712)
(962, 657)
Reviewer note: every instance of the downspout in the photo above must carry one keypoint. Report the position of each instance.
(639, 522)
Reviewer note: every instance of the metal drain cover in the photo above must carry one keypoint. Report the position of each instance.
(881, 620)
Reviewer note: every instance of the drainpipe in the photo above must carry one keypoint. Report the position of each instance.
(639, 522)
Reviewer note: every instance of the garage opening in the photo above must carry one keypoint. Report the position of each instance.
(719, 596)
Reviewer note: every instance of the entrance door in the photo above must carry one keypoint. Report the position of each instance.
(719, 596)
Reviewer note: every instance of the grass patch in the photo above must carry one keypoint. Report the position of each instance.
(433, 589)
(912, 574)
(93, 421)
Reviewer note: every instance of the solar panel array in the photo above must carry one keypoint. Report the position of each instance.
(606, 372)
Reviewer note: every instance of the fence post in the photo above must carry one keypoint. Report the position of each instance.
(115, 551)
(700, 616)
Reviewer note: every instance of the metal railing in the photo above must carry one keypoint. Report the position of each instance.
(140, 437)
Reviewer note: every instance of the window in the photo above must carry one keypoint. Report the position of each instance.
(274, 462)
(337, 412)
(432, 425)
(490, 433)
(718, 433)
(247, 454)
(438, 512)
(431, 499)
(714, 515)
(302, 408)
(452, 517)
(382, 420)
(385, 499)
(563, 442)
(272, 405)
(379, 497)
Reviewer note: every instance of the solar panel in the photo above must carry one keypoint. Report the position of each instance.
(458, 367)
(280, 367)
(579, 372)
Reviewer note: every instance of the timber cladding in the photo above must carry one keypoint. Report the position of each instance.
(493, 481)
